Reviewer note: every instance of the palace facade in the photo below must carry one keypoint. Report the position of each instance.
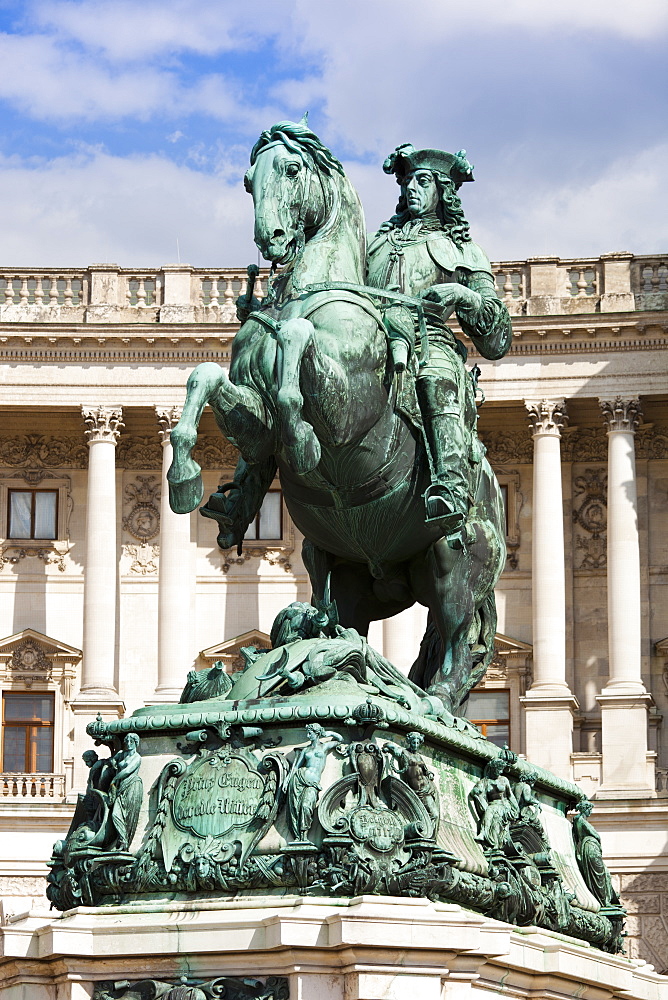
(107, 598)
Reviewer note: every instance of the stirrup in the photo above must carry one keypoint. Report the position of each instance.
(441, 508)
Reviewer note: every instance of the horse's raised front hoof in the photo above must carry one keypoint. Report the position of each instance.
(303, 452)
(185, 496)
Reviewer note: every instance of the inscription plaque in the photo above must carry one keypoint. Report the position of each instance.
(217, 795)
(382, 829)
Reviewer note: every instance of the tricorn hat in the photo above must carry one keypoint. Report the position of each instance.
(406, 158)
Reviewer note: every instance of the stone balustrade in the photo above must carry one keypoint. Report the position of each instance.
(662, 782)
(175, 293)
(32, 786)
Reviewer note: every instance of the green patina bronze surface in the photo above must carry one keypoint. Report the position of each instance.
(320, 768)
(348, 381)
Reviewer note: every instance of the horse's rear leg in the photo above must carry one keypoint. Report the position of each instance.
(441, 581)
(297, 435)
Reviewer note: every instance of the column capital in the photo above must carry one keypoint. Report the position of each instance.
(549, 416)
(168, 417)
(104, 423)
(621, 414)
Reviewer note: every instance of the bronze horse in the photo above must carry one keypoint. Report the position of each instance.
(312, 393)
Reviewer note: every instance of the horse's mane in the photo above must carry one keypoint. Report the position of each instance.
(299, 139)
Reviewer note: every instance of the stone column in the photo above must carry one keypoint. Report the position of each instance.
(549, 703)
(624, 700)
(98, 691)
(176, 580)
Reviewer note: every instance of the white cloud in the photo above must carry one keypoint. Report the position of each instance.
(95, 207)
(55, 82)
(52, 83)
(621, 209)
(125, 30)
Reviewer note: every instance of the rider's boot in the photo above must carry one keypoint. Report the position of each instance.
(448, 495)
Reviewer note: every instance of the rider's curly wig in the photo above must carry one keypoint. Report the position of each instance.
(299, 139)
(450, 212)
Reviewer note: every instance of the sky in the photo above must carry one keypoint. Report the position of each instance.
(125, 125)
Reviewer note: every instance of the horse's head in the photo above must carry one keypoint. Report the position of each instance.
(289, 180)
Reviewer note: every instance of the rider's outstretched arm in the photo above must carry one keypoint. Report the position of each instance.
(485, 320)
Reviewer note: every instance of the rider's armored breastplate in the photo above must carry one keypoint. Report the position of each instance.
(398, 262)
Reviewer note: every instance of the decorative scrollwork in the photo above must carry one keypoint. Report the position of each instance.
(38, 450)
(590, 514)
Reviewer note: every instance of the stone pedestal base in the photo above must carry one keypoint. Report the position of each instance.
(627, 769)
(367, 948)
(549, 731)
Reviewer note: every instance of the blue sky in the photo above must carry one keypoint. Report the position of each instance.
(126, 126)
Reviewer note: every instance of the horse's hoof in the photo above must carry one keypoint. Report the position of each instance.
(185, 496)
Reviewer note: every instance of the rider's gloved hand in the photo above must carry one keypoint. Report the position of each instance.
(451, 296)
(245, 308)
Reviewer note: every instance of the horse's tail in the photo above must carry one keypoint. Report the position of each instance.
(481, 641)
(430, 657)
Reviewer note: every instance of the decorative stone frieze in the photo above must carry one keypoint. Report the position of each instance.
(584, 444)
(139, 452)
(215, 452)
(103, 423)
(506, 447)
(40, 451)
(621, 414)
(651, 442)
(143, 498)
(186, 988)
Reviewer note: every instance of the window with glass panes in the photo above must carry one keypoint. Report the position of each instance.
(490, 710)
(268, 522)
(27, 733)
(32, 514)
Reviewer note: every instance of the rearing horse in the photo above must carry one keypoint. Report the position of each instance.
(311, 392)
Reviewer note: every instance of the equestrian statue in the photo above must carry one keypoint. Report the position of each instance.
(347, 380)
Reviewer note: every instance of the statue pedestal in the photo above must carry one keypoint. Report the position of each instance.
(365, 948)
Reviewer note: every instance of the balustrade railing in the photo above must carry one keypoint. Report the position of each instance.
(175, 293)
(22, 288)
(32, 786)
(662, 781)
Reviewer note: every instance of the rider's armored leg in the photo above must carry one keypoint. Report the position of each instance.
(447, 498)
